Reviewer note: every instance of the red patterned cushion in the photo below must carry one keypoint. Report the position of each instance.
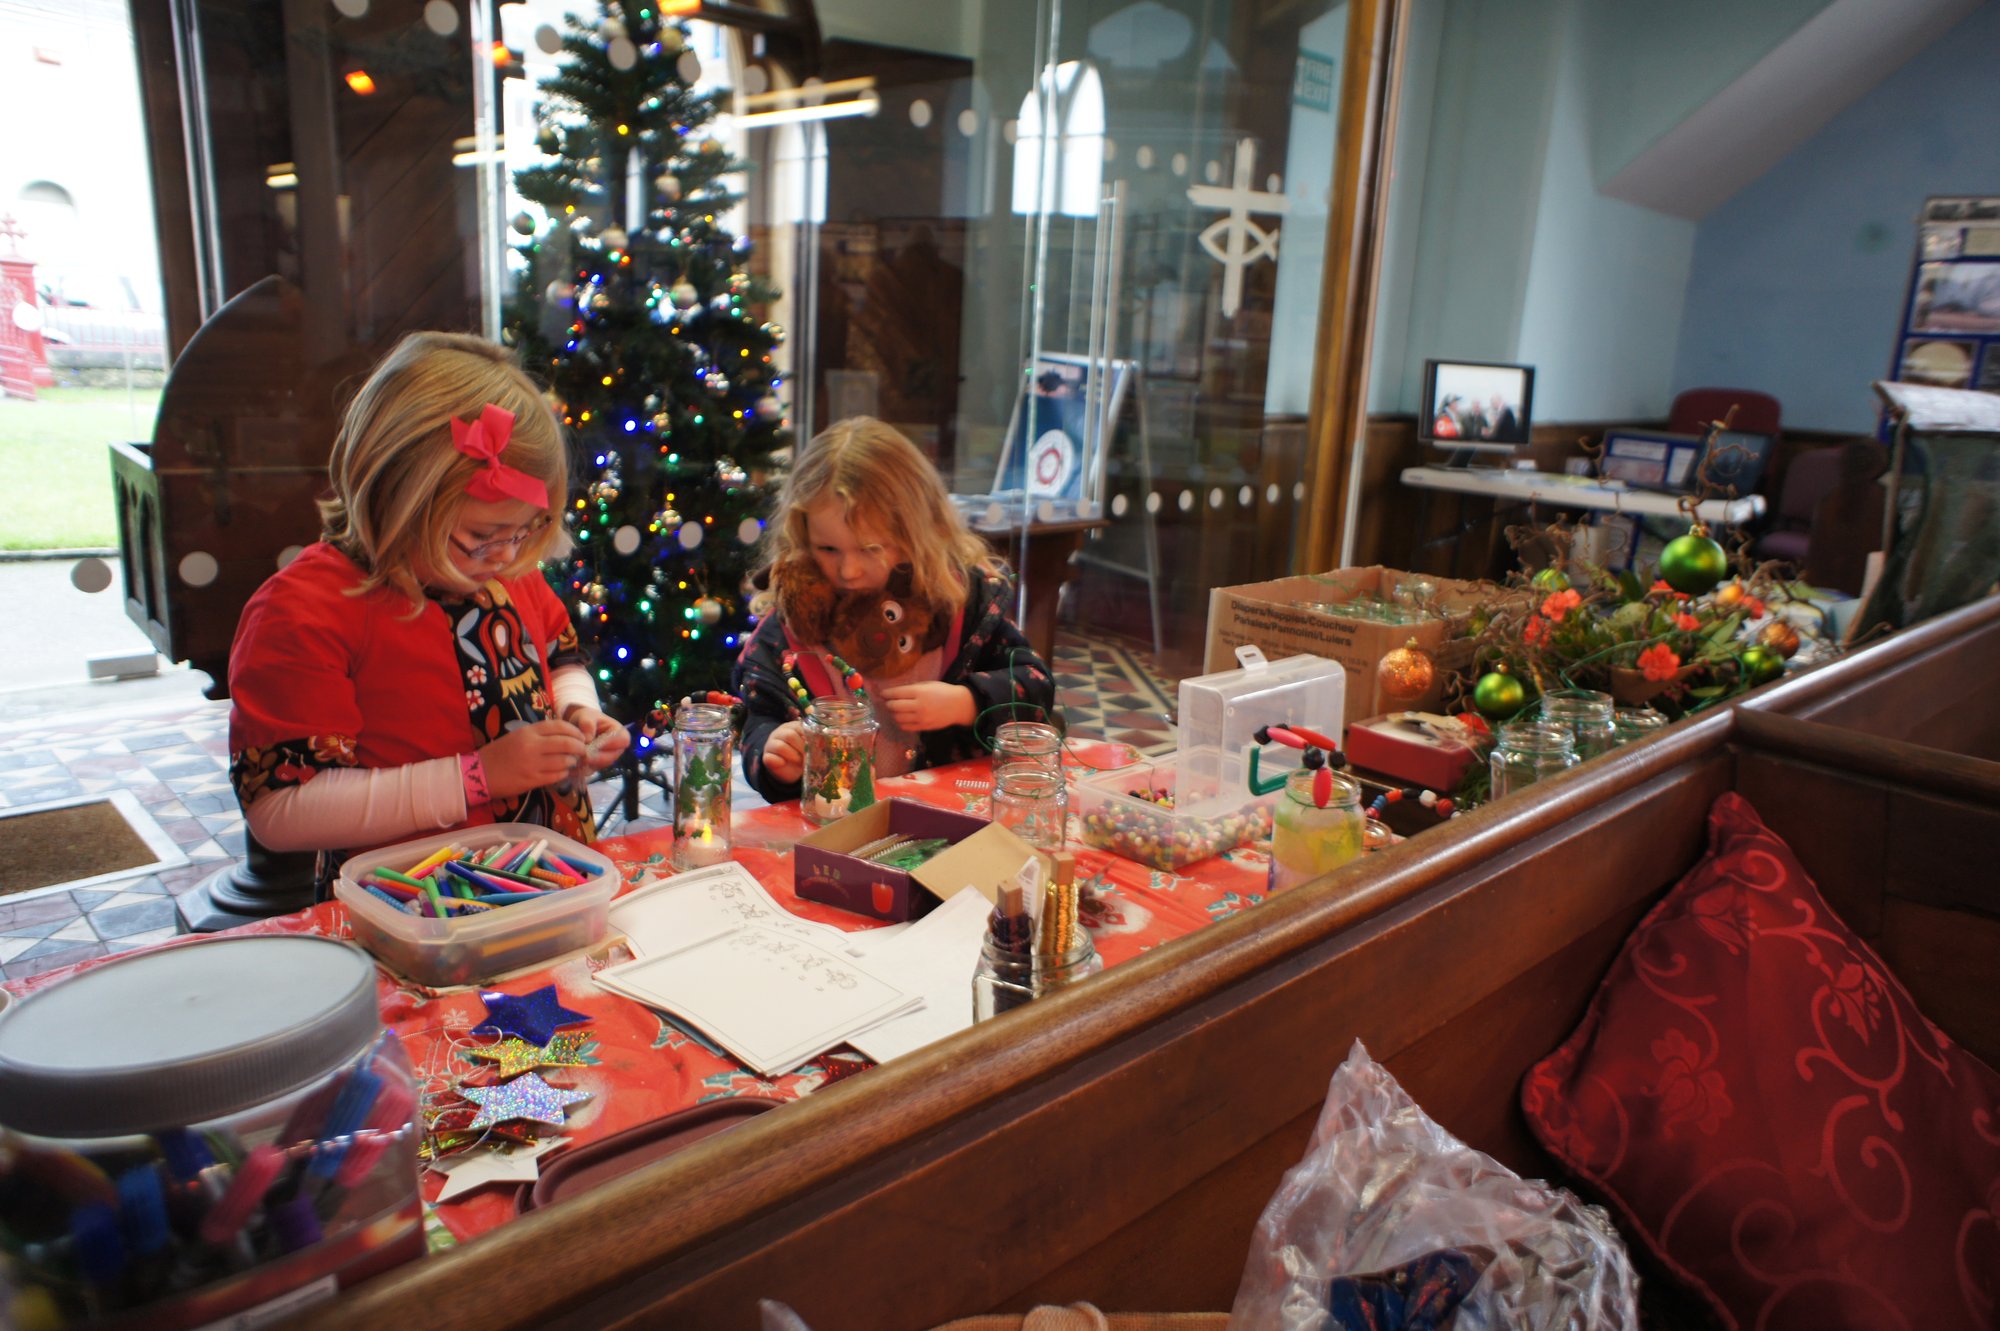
(1768, 1112)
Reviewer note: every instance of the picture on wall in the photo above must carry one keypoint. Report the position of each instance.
(1961, 297)
(1939, 362)
(1051, 450)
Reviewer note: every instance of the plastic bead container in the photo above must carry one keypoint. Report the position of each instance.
(473, 948)
(1121, 812)
(1221, 713)
(217, 1130)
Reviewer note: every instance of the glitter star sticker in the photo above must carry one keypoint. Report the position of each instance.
(526, 1096)
(513, 1055)
(533, 1016)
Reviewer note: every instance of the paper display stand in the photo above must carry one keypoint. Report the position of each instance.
(1056, 436)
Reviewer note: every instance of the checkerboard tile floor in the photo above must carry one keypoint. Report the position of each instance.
(174, 760)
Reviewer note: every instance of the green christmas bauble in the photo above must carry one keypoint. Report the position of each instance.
(1552, 579)
(1693, 563)
(1499, 695)
(1762, 664)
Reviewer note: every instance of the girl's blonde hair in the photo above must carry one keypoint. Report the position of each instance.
(398, 481)
(883, 482)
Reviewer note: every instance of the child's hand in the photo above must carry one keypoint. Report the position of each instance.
(606, 738)
(530, 756)
(931, 705)
(785, 752)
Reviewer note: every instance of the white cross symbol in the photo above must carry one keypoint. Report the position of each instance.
(1241, 201)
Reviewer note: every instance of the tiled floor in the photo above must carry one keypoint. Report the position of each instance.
(173, 758)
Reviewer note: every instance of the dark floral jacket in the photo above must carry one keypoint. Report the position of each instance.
(1009, 682)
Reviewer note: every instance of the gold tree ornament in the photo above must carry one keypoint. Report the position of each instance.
(1406, 674)
(1780, 637)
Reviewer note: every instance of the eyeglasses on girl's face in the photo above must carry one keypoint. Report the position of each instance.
(486, 547)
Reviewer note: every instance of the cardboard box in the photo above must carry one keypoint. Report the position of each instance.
(1279, 617)
(982, 855)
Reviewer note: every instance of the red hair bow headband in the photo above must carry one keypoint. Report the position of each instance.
(484, 440)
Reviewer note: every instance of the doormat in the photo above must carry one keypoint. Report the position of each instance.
(65, 844)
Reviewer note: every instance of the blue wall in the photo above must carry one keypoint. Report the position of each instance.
(1799, 280)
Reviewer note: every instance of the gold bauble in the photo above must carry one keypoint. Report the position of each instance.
(1780, 637)
(595, 593)
(1406, 674)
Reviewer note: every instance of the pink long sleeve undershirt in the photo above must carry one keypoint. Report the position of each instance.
(372, 806)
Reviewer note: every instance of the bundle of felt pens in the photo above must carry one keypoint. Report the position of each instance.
(190, 1222)
(455, 878)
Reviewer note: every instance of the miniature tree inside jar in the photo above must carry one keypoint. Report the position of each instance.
(840, 760)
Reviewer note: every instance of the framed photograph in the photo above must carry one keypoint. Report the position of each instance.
(1937, 361)
(1650, 459)
(1053, 448)
(1480, 406)
(1961, 297)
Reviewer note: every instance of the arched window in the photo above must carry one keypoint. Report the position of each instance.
(1063, 171)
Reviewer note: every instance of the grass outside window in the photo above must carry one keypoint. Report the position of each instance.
(55, 457)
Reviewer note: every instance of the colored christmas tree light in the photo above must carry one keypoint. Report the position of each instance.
(637, 309)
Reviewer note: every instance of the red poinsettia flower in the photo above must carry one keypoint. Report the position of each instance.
(1659, 663)
(1536, 633)
(1660, 587)
(1560, 604)
(1754, 607)
(1686, 622)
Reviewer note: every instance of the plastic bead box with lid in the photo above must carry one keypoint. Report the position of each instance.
(214, 1133)
(1221, 714)
(1135, 812)
(475, 947)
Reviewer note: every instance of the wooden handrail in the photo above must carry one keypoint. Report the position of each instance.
(1917, 766)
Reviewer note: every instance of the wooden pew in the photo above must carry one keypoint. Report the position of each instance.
(1117, 1142)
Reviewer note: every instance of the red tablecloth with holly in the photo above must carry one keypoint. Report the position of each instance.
(646, 1066)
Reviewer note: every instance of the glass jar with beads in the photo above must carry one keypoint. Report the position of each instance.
(1527, 752)
(840, 759)
(1316, 828)
(1586, 714)
(704, 747)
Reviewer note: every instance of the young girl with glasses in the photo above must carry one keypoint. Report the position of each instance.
(412, 672)
(881, 594)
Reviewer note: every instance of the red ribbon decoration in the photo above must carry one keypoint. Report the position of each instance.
(484, 440)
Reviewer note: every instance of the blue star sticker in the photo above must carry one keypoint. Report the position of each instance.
(534, 1017)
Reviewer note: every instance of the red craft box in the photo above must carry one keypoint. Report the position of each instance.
(823, 869)
(1402, 746)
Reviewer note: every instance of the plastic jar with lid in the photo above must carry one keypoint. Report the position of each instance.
(1317, 827)
(1526, 752)
(1586, 714)
(840, 758)
(201, 1131)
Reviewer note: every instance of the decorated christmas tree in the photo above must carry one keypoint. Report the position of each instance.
(637, 309)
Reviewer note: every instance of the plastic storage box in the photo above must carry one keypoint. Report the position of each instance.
(1122, 812)
(475, 948)
(1221, 713)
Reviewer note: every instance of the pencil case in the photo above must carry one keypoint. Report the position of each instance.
(530, 926)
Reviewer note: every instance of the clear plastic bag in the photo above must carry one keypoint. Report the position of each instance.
(1391, 1222)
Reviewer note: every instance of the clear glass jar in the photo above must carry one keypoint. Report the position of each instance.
(704, 752)
(1526, 752)
(1028, 741)
(1006, 980)
(1308, 838)
(840, 760)
(1032, 801)
(1636, 723)
(1586, 714)
(1003, 981)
